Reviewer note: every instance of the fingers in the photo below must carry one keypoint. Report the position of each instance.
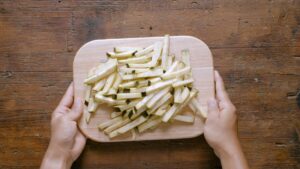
(213, 109)
(67, 99)
(80, 141)
(220, 89)
(222, 96)
(76, 110)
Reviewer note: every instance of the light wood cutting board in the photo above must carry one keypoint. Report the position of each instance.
(90, 54)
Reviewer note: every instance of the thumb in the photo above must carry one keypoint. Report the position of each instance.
(213, 109)
(76, 110)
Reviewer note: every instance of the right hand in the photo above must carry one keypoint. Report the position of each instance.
(220, 129)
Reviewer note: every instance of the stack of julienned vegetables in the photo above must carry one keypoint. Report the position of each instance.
(145, 86)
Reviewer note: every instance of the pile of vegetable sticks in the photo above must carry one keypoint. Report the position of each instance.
(145, 86)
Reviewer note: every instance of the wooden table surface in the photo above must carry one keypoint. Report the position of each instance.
(255, 44)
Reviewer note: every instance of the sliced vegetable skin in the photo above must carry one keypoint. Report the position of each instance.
(121, 49)
(127, 127)
(165, 52)
(121, 55)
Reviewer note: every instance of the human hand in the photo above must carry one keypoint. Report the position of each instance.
(220, 129)
(66, 142)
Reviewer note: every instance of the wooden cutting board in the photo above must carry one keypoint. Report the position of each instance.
(94, 52)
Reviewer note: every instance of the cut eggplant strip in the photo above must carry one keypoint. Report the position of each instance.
(87, 94)
(167, 116)
(111, 92)
(87, 115)
(123, 108)
(142, 59)
(132, 124)
(182, 83)
(185, 118)
(184, 95)
(199, 108)
(165, 52)
(128, 106)
(162, 110)
(128, 127)
(173, 67)
(92, 105)
(154, 60)
(137, 113)
(145, 51)
(115, 114)
(93, 70)
(144, 101)
(154, 73)
(134, 133)
(120, 102)
(155, 80)
(181, 65)
(126, 113)
(99, 85)
(138, 90)
(170, 60)
(109, 82)
(153, 121)
(133, 70)
(117, 81)
(177, 95)
(144, 65)
(159, 85)
(185, 57)
(121, 96)
(116, 125)
(128, 84)
(105, 70)
(157, 53)
(126, 49)
(102, 99)
(181, 106)
(143, 83)
(121, 55)
(177, 73)
(106, 124)
(166, 99)
(193, 108)
(157, 97)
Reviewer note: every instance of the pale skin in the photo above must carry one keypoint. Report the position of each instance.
(220, 131)
(67, 142)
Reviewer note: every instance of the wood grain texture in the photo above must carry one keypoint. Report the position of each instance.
(94, 52)
(256, 48)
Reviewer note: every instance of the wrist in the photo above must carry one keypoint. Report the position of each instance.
(56, 158)
(229, 147)
(233, 157)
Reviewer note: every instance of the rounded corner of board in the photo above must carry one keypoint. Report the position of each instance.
(88, 135)
(85, 46)
(193, 38)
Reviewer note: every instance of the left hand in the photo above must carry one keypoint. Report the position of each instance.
(67, 142)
